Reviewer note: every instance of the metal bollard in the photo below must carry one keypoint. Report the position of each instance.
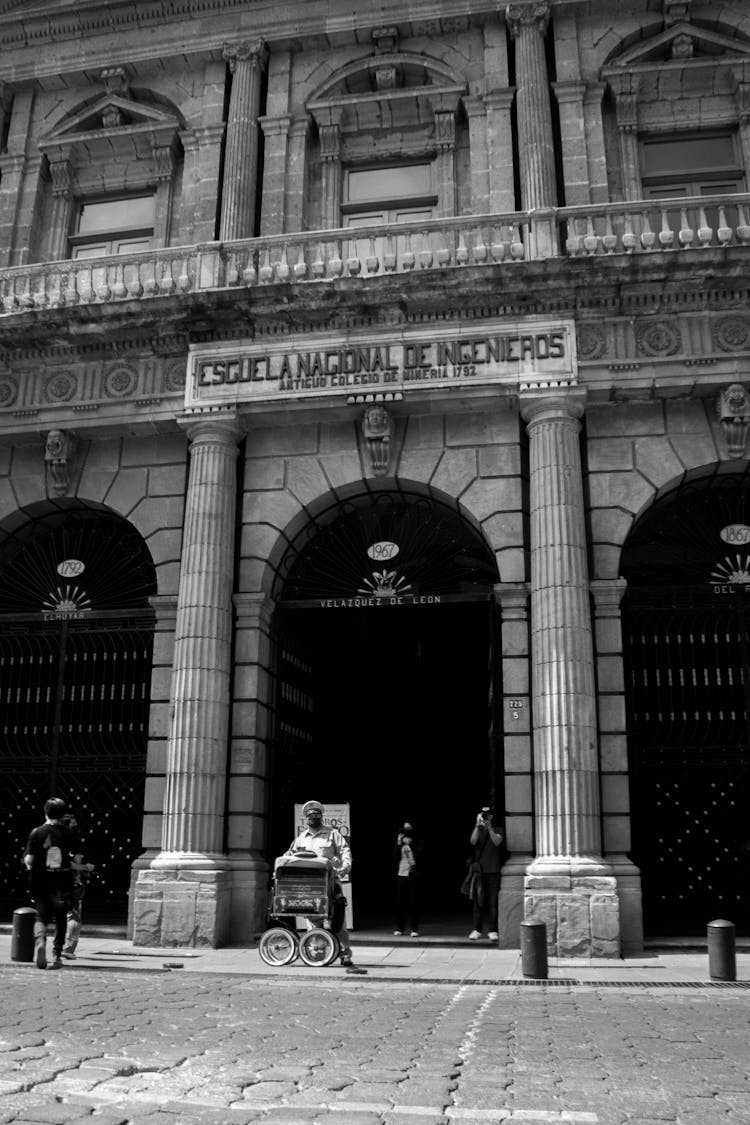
(534, 950)
(22, 943)
(722, 955)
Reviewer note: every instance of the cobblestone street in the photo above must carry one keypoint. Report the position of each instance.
(175, 1049)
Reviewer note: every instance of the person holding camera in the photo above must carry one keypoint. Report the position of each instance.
(406, 854)
(486, 839)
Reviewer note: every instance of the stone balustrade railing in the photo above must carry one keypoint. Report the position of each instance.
(646, 226)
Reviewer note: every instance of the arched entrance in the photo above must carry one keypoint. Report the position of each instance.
(686, 646)
(385, 663)
(76, 636)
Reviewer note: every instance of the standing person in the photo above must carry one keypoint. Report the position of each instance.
(48, 859)
(328, 843)
(81, 871)
(406, 854)
(486, 840)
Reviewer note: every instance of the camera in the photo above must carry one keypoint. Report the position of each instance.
(485, 812)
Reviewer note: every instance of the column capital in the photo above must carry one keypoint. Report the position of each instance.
(254, 51)
(544, 405)
(164, 607)
(253, 611)
(527, 13)
(217, 426)
(275, 126)
(62, 179)
(500, 98)
(513, 599)
(569, 93)
(607, 594)
(203, 136)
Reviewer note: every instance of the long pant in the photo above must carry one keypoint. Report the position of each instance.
(485, 916)
(407, 902)
(52, 907)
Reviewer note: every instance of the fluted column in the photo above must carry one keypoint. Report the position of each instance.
(565, 745)
(568, 884)
(625, 89)
(527, 20)
(328, 121)
(197, 752)
(247, 62)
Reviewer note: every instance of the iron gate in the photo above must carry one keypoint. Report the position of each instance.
(74, 699)
(686, 655)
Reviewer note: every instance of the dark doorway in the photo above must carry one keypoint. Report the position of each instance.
(386, 646)
(400, 729)
(686, 640)
(76, 637)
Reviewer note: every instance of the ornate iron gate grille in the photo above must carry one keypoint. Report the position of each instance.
(74, 704)
(686, 656)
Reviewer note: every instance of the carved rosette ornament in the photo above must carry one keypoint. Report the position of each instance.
(58, 451)
(658, 338)
(732, 333)
(734, 416)
(591, 341)
(377, 428)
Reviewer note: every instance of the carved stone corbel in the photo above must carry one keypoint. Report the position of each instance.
(734, 417)
(58, 452)
(377, 428)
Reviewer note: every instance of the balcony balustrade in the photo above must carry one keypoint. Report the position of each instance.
(600, 230)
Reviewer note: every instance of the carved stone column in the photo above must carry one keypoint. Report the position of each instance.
(499, 103)
(445, 164)
(742, 95)
(568, 886)
(276, 134)
(625, 89)
(572, 130)
(613, 755)
(62, 194)
(512, 599)
(329, 133)
(247, 62)
(184, 898)
(527, 20)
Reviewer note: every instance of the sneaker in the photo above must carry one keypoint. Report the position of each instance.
(56, 964)
(493, 936)
(415, 933)
(68, 954)
(346, 960)
(40, 955)
(398, 933)
(474, 935)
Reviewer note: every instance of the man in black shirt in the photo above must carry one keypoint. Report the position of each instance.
(48, 860)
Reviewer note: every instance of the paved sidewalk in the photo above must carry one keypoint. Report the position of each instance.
(406, 960)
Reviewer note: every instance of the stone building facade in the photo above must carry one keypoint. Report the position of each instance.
(373, 418)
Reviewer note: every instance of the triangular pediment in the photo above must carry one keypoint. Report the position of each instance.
(681, 42)
(110, 112)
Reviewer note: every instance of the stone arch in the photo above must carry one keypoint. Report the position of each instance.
(301, 526)
(30, 536)
(686, 563)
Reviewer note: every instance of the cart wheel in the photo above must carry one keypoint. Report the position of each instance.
(278, 946)
(318, 947)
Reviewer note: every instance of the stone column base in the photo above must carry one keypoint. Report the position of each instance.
(511, 900)
(183, 900)
(581, 912)
(249, 908)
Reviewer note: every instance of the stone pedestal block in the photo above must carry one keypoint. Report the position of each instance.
(582, 916)
(249, 898)
(181, 905)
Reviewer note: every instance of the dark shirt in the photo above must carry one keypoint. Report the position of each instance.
(50, 846)
(487, 853)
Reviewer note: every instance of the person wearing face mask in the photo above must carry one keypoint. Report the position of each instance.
(328, 843)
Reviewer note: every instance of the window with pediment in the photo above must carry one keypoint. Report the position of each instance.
(681, 102)
(114, 171)
(389, 142)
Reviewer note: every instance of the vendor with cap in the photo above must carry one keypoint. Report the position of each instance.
(328, 843)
